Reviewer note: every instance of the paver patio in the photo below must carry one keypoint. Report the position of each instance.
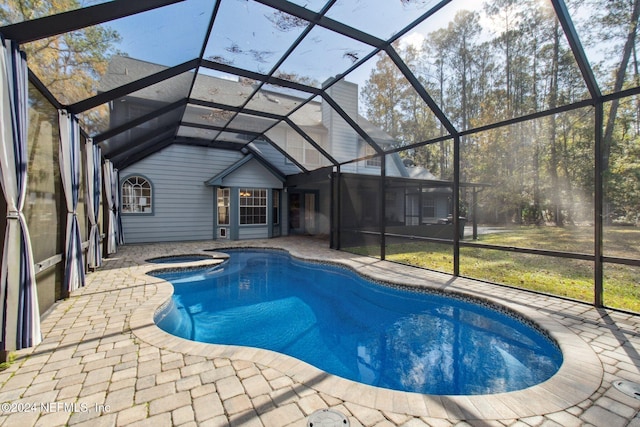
(103, 362)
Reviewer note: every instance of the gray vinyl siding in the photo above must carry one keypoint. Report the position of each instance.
(182, 203)
(253, 232)
(343, 138)
(274, 157)
(345, 143)
(252, 175)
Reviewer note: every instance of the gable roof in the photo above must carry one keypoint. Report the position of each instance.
(217, 180)
(214, 122)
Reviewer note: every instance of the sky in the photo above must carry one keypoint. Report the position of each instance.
(174, 34)
(246, 35)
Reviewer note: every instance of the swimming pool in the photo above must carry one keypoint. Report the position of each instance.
(334, 319)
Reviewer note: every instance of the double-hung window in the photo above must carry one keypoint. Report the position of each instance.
(253, 206)
(428, 208)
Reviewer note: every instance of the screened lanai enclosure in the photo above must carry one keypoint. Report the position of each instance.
(497, 140)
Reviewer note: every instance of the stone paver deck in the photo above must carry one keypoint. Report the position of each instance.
(104, 362)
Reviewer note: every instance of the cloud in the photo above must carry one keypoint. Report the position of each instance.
(414, 39)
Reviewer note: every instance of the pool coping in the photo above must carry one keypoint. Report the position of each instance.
(579, 376)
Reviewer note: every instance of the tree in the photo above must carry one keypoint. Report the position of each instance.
(461, 40)
(435, 48)
(541, 170)
(383, 94)
(631, 24)
(505, 13)
(70, 65)
(623, 175)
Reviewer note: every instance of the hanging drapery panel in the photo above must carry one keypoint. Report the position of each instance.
(110, 190)
(94, 188)
(70, 174)
(116, 198)
(18, 295)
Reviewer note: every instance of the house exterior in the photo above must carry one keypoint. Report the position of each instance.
(245, 187)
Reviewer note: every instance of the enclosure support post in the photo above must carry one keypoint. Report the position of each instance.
(456, 205)
(383, 174)
(598, 270)
(338, 207)
(332, 209)
(474, 203)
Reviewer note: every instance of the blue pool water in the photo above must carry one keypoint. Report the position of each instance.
(343, 324)
(178, 259)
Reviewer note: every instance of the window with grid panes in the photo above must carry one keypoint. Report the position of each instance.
(136, 196)
(253, 206)
(375, 162)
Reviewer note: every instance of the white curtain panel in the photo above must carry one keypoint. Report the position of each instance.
(109, 191)
(94, 188)
(70, 174)
(19, 311)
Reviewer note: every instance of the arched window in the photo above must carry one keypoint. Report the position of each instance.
(136, 196)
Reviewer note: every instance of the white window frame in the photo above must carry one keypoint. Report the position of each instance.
(136, 196)
(253, 205)
(428, 204)
(224, 202)
(373, 162)
(305, 153)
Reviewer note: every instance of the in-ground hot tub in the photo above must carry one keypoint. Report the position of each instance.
(175, 259)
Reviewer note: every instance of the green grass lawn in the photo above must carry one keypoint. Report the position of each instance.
(553, 275)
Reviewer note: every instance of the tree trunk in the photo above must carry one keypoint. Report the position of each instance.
(619, 82)
(553, 101)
